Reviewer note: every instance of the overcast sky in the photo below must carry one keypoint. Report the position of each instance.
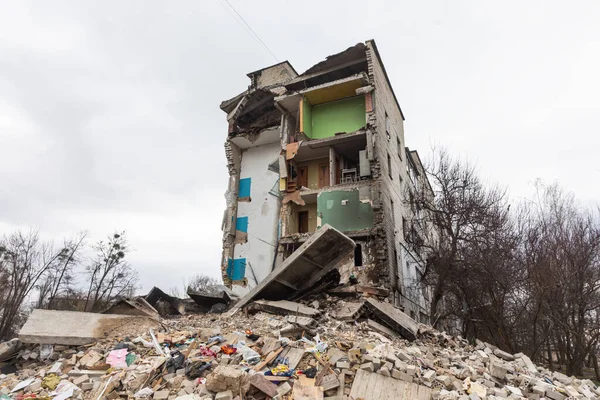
(109, 113)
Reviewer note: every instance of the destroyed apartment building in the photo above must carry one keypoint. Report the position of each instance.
(325, 147)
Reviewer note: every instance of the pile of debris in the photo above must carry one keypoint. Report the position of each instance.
(324, 347)
(298, 335)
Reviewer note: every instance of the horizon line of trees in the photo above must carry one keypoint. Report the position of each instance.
(523, 276)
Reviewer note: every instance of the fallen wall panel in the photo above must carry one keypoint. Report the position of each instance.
(69, 328)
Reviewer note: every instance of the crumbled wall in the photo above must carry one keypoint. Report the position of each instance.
(392, 180)
(262, 212)
(233, 155)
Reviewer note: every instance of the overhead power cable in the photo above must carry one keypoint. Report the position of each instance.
(239, 19)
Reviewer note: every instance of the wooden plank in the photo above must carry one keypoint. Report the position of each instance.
(272, 355)
(371, 386)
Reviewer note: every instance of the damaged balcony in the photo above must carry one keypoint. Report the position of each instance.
(333, 108)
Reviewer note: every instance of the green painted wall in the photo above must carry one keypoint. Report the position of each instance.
(306, 118)
(353, 216)
(347, 115)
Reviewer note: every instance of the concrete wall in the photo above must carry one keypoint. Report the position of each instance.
(346, 115)
(263, 215)
(392, 175)
(343, 210)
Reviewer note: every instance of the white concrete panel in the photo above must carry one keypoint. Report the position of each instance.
(262, 212)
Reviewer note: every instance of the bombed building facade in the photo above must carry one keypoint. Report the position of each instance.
(323, 147)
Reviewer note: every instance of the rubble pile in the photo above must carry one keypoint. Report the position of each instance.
(328, 348)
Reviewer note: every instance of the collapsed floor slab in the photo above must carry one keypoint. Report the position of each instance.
(138, 306)
(394, 318)
(283, 307)
(303, 268)
(68, 327)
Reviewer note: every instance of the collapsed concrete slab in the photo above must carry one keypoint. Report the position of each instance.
(394, 318)
(283, 307)
(211, 295)
(138, 306)
(303, 268)
(69, 328)
(165, 304)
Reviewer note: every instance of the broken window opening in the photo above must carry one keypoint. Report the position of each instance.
(389, 163)
(399, 148)
(387, 126)
(358, 261)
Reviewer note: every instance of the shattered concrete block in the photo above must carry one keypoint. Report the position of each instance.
(554, 395)
(498, 370)
(376, 363)
(384, 371)
(161, 395)
(504, 355)
(87, 386)
(81, 379)
(342, 364)
(445, 380)
(368, 367)
(224, 378)
(329, 382)
(284, 389)
(428, 375)
(226, 395)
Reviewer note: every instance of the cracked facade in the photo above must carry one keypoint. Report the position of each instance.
(323, 147)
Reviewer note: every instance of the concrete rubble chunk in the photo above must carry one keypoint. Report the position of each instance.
(503, 355)
(393, 317)
(225, 378)
(226, 395)
(9, 348)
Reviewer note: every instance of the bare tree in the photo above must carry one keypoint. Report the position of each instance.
(200, 282)
(59, 279)
(110, 275)
(462, 214)
(24, 260)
